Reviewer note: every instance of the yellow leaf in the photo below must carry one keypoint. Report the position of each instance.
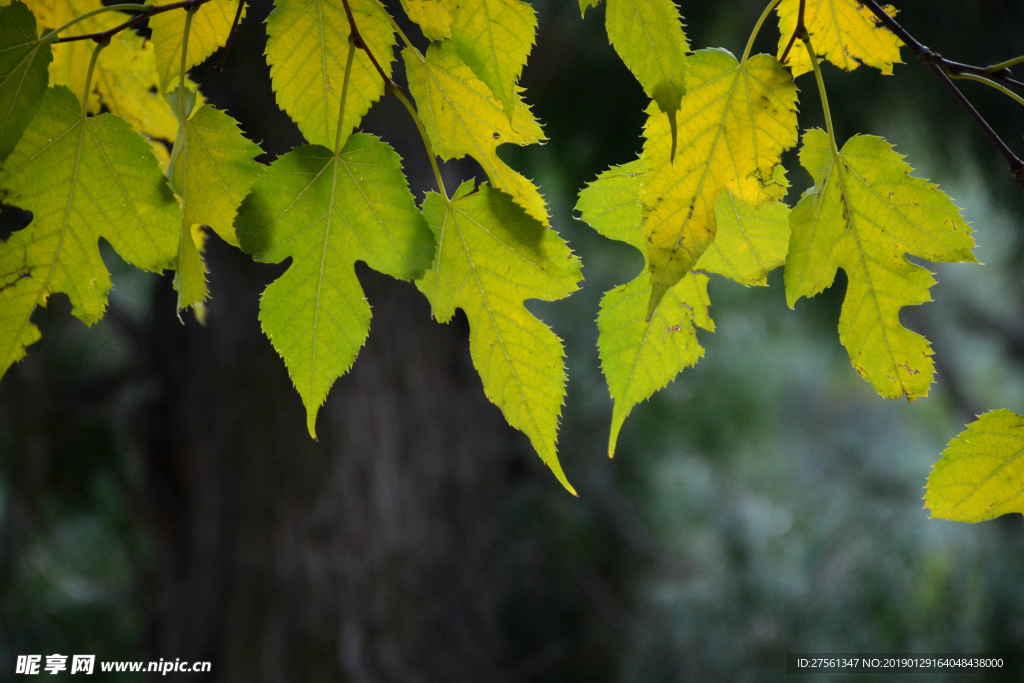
(462, 117)
(210, 27)
(434, 17)
(842, 31)
(734, 123)
(864, 214)
(307, 47)
(981, 473)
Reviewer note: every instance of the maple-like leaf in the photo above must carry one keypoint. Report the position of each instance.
(82, 179)
(864, 214)
(641, 356)
(434, 17)
(307, 47)
(493, 38)
(208, 32)
(461, 117)
(648, 35)
(326, 211)
(844, 32)
(981, 473)
(23, 72)
(491, 257)
(211, 170)
(735, 122)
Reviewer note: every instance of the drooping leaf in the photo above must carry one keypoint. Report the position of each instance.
(586, 4)
(735, 122)
(491, 257)
(493, 38)
(462, 117)
(325, 212)
(844, 32)
(82, 179)
(212, 169)
(864, 215)
(638, 356)
(23, 73)
(208, 32)
(434, 17)
(307, 47)
(981, 473)
(648, 35)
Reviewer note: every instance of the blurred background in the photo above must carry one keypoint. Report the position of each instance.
(160, 497)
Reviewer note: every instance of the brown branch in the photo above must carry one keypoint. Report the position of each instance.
(942, 68)
(103, 36)
(231, 35)
(800, 28)
(361, 44)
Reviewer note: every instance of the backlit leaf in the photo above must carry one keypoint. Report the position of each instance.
(325, 212)
(493, 38)
(82, 179)
(462, 117)
(434, 17)
(844, 32)
(638, 356)
(212, 169)
(491, 257)
(864, 215)
(735, 122)
(307, 47)
(981, 473)
(209, 31)
(23, 73)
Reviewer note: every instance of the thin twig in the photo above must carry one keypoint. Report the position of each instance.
(800, 28)
(231, 35)
(361, 44)
(939, 66)
(134, 21)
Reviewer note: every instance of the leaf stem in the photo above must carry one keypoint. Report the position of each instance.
(989, 82)
(821, 91)
(184, 63)
(995, 68)
(397, 93)
(757, 29)
(344, 92)
(88, 77)
(398, 29)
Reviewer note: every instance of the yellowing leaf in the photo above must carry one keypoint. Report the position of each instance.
(648, 35)
(307, 47)
(326, 211)
(23, 73)
(735, 122)
(981, 473)
(491, 257)
(863, 215)
(434, 17)
(493, 38)
(844, 32)
(641, 356)
(211, 170)
(586, 4)
(82, 179)
(462, 117)
(209, 31)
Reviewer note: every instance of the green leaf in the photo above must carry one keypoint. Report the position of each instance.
(307, 47)
(735, 122)
(462, 117)
(23, 73)
(981, 473)
(584, 4)
(325, 212)
(82, 179)
(434, 17)
(491, 257)
(638, 356)
(844, 32)
(864, 216)
(212, 169)
(209, 31)
(648, 35)
(493, 38)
